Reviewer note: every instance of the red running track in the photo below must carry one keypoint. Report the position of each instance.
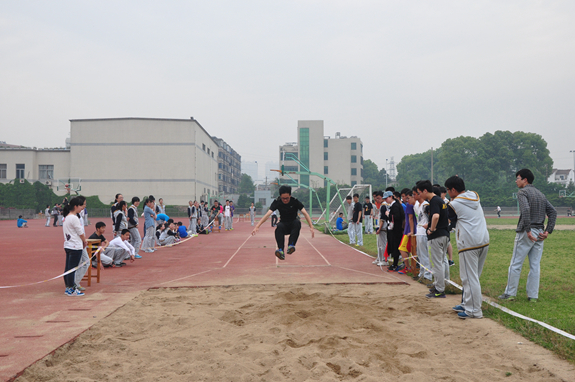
(37, 319)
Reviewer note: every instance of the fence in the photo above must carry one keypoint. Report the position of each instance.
(13, 213)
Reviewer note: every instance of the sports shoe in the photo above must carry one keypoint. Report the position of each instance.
(74, 292)
(375, 262)
(400, 266)
(391, 268)
(403, 271)
(280, 254)
(137, 257)
(530, 299)
(507, 297)
(291, 249)
(462, 315)
(451, 263)
(458, 308)
(381, 263)
(80, 288)
(436, 294)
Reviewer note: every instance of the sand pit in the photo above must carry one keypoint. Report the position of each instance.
(296, 333)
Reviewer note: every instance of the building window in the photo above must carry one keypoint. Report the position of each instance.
(354, 171)
(354, 159)
(203, 147)
(325, 143)
(325, 155)
(361, 161)
(3, 171)
(353, 145)
(46, 171)
(20, 168)
(212, 154)
(353, 183)
(325, 170)
(291, 168)
(288, 156)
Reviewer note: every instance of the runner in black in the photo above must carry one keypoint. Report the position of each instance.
(289, 224)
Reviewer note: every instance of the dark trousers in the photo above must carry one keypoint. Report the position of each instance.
(73, 257)
(287, 228)
(55, 220)
(274, 220)
(393, 242)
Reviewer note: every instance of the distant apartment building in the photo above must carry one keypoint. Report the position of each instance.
(339, 158)
(229, 168)
(563, 177)
(251, 169)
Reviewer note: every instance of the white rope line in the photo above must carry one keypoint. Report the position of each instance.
(185, 277)
(237, 250)
(317, 251)
(489, 301)
(56, 277)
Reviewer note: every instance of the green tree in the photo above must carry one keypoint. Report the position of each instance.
(246, 185)
(244, 201)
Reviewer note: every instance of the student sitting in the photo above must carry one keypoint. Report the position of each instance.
(123, 242)
(21, 222)
(339, 223)
(159, 230)
(168, 235)
(182, 230)
(110, 256)
(200, 229)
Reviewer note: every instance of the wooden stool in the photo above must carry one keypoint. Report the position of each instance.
(92, 246)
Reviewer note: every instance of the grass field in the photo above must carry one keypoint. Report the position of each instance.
(556, 294)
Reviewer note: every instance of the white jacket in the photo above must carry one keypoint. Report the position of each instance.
(471, 228)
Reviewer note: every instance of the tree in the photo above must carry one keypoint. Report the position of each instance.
(246, 185)
(373, 176)
(244, 201)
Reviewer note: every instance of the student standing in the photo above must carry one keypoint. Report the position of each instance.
(395, 217)
(193, 216)
(381, 231)
(149, 226)
(437, 236)
(74, 242)
(135, 238)
(47, 215)
(252, 214)
(466, 214)
(349, 216)
(530, 234)
(367, 214)
(227, 216)
(357, 219)
(421, 209)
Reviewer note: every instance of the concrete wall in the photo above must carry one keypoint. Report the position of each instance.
(172, 159)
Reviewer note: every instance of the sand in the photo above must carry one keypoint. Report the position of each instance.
(307, 332)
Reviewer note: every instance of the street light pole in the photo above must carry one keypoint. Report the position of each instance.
(573, 151)
(386, 173)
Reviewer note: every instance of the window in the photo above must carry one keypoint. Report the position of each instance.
(220, 177)
(325, 143)
(354, 159)
(353, 146)
(212, 154)
(288, 156)
(3, 171)
(361, 160)
(325, 170)
(354, 171)
(353, 183)
(220, 165)
(203, 147)
(208, 150)
(325, 155)
(20, 168)
(46, 171)
(291, 168)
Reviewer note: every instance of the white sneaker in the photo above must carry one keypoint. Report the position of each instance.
(381, 263)
(375, 261)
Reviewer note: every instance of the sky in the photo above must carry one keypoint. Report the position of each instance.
(403, 76)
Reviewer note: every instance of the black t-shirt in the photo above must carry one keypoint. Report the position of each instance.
(367, 207)
(437, 206)
(288, 212)
(97, 237)
(356, 213)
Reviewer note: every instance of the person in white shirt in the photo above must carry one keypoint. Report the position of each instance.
(123, 241)
(421, 237)
(74, 242)
(47, 215)
(252, 213)
(227, 216)
(168, 235)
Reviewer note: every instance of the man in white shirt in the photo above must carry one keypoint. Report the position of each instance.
(123, 242)
(421, 237)
(227, 216)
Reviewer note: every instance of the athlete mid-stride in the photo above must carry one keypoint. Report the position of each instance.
(289, 224)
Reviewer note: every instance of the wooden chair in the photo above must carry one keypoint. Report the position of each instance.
(92, 247)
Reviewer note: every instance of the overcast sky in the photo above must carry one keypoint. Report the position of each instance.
(403, 76)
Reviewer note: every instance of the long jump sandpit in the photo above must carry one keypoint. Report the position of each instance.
(223, 309)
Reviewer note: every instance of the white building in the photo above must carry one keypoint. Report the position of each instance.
(563, 177)
(251, 169)
(339, 158)
(175, 159)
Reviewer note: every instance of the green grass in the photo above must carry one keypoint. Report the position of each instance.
(513, 221)
(556, 292)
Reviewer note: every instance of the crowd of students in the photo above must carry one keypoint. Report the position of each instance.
(159, 230)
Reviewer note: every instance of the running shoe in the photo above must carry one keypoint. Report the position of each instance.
(451, 263)
(375, 262)
(381, 263)
(435, 294)
(291, 249)
(507, 297)
(531, 299)
(137, 257)
(74, 292)
(458, 308)
(80, 288)
(280, 254)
